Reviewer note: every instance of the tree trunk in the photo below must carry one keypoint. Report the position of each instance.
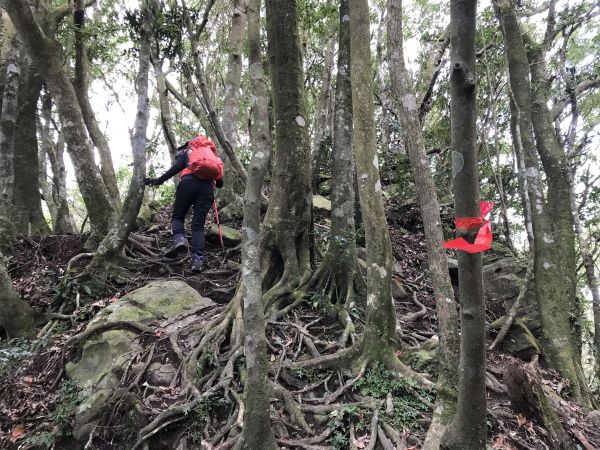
(231, 101)
(554, 296)
(256, 432)
(166, 117)
(112, 245)
(46, 56)
(16, 316)
(62, 221)
(8, 120)
(285, 259)
(404, 101)
(81, 84)
(27, 202)
(468, 428)
(380, 323)
(321, 116)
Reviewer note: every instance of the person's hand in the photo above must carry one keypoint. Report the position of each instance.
(151, 182)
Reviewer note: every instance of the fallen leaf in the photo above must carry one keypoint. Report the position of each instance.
(521, 420)
(18, 432)
(28, 379)
(113, 299)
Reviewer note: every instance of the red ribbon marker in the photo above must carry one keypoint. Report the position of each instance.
(483, 240)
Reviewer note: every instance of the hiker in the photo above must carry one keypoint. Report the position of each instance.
(200, 171)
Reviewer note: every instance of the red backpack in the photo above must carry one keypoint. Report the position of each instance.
(203, 161)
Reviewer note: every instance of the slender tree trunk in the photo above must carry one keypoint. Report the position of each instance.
(404, 100)
(81, 84)
(112, 245)
(337, 274)
(8, 120)
(27, 202)
(468, 428)
(380, 324)
(321, 116)
(554, 296)
(257, 432)
(45, 185)
(285, 259)
(63, 223)
(46, 56)
(231, 101)
(386, 129)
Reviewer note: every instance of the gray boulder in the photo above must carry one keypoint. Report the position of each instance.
(106, 356)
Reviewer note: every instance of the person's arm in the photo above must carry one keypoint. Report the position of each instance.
(178, 166)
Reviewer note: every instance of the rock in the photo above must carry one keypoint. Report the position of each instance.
(146, 214)
(322, 203)
(233, 211)
(594, 418)
(105, 356)
(424, 357)
(161, 374)
(398, 291)
(231, 236)
(502, 281)
(519, 341)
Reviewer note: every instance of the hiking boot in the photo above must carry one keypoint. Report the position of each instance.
(197, 263)
(179, 244)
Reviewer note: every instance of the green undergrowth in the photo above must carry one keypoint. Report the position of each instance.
(376, 383)
(200, 416)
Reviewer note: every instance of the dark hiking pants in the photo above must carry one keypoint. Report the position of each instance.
(197, 193)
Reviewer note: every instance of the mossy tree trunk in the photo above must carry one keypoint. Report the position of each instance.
(555, 297)
(16, 317)
(112, 245)
(27, 202)
(285, 259)
(403, 99)
(380, 324)
(467, 430)
(337, 275)
(8, 120)
(256, 432)
(46, 54)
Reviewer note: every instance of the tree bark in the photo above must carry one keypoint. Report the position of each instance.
(27, 202)
(81, 83)
(112, 245)
(256, 432)
(554, 296)
(8, 120)
(46, 55)
(380, 323)
(285, 258)
(468, 428)
(404, 100)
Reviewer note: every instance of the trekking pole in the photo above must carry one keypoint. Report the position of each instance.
(218, 223)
